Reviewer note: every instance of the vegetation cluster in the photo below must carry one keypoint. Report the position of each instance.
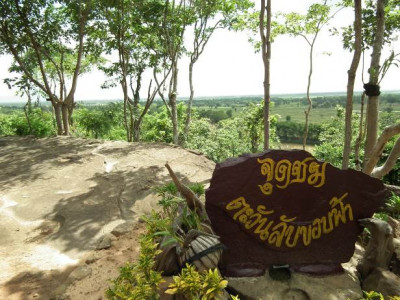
(221, 128)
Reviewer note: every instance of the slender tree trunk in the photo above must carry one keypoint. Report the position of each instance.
(27, 111)
(190, 102)
(379, 146)
(132, 121)
(127, 129)
(58, 115)
(350, 83)
(137, 117)
(373, 97)
(138, 120)
(266, 56)
(309, 101)
(65, 118)
(173, 105)
(136, 131)
(390, 162)
(361, 135)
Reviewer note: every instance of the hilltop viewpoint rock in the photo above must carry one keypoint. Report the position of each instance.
(59, 196)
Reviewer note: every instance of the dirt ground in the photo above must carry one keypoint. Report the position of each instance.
(59, 196)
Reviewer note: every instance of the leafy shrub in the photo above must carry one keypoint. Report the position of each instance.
(193, 285)
(232, 137)
(41, 123)
(5, 125)
(332, 137)
(372, 295)
(138, 280)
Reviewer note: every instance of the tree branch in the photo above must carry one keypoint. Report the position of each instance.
(381, 171)
(377, 150)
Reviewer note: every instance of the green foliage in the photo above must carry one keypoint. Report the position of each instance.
(99, 122)
(231, 137)
(138, 280)
(169, 202)
(331, 138)
(215, 115)
(293, 132)
(6, 125)
(306, 26)
(381, 216)
(197, 188)
(41, 123)
(393, 206)
(193, 285)
(46, 41)
(157, 126)
(372, 295)
(155, 222)
(392, 25)
(163, 225)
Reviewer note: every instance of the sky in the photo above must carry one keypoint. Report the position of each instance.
(229, 65)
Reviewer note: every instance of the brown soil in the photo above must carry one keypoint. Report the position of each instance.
(59, 196)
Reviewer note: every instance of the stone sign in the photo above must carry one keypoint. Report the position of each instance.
(286, 207)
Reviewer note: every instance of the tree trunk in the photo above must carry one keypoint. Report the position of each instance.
(361, 135)
(390, 162)
(379, 146)
(126, 125)
(65, 118)
(172, 104)
(135, 113)
(27, 111)
(266, 56)
(132, 121)
(136, 130)
(373, 98)
(58, 115)
(350, 83)
(190, 103)
(307, 112)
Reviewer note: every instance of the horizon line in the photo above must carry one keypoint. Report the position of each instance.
(16, 99)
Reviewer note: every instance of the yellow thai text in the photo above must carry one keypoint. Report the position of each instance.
(288, 233)
(284, 172)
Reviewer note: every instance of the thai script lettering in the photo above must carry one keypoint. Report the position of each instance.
(286, 232)
(284, 172)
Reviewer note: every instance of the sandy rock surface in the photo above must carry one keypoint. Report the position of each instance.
(60, 196)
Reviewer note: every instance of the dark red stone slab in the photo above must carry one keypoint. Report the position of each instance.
(285, 207)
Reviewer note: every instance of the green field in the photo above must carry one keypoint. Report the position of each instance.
(292, 107)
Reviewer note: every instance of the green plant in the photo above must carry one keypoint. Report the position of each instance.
(195, 286)
(381, 216)
(155, 222)
(179, 218)
(197, 188)
(372, 295)
(169, 201)
(393, 205)
(138, 280)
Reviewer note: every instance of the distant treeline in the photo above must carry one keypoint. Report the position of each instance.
(293, 132)
(328, 101)
(319, 100)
